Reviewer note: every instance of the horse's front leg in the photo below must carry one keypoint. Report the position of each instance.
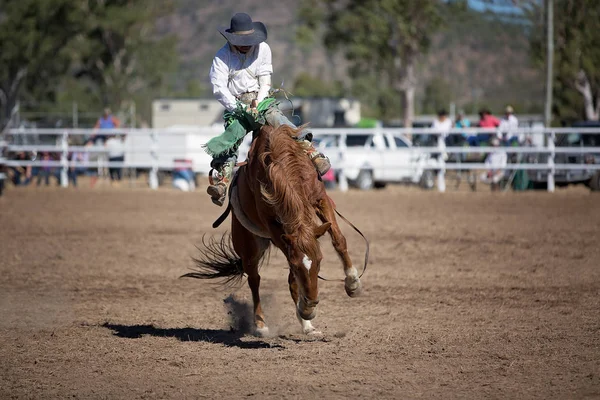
(307, 326)
(251, 248)
(326, 212)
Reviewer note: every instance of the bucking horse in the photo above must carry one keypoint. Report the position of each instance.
(277, 198)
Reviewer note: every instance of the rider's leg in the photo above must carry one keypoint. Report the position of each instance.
(224, 166)
(275, 118)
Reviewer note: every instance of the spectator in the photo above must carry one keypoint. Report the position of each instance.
(106, 121)
(329, 179)
(442, 124)
(78, 158)
(486, 120)
(183, 176)
(507, 131)
(116, 153)
(463, 122)
(46, 170)
(495, 163)
(21, 176)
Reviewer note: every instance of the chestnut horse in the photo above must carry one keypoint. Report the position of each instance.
(276, 199)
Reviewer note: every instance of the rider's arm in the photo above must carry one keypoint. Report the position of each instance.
(264, 71)
(219, 75)
(264, 83)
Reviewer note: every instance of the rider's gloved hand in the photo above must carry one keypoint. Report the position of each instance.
(252, 108)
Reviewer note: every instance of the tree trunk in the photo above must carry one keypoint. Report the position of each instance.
(408, 104)
(582, 84)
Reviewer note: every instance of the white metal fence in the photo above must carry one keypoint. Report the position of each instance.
(156, 150)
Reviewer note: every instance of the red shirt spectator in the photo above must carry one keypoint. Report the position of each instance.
(487, 120)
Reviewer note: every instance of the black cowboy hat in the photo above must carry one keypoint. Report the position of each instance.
(244, 32)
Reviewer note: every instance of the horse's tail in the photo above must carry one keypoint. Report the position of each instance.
(217, 260)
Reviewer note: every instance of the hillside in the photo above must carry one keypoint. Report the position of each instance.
(480, 61)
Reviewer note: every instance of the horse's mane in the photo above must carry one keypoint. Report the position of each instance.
(289, 170)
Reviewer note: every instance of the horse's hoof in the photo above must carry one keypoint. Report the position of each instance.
(262, 332)
(313, 332)
(352, 286)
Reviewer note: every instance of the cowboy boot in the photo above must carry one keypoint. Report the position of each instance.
(218, 188)
(319, 160)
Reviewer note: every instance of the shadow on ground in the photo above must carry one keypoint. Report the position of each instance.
(230, 338)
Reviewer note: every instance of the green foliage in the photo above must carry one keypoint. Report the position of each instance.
(380, 38)
(308, 86)
(91, 52)
(576, 49)
(34, 37)
(121, 56)
(437, 96)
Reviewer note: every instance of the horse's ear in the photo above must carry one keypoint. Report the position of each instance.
(320, 231)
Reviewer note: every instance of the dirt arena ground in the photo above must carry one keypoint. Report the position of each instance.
(467, 296)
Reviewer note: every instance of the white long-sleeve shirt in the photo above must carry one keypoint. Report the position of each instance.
(508, 126)
(233, 73)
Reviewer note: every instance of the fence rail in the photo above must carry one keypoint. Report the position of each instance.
(159, 148)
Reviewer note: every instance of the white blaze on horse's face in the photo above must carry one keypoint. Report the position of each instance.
(307, 262)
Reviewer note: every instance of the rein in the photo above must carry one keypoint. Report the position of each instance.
(366, 252)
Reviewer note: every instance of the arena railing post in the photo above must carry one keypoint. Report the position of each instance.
(64, 160)
(153, 175)
(551, 147)
(441, 175)
(343, 180)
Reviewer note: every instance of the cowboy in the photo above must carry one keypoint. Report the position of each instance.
(241, 78)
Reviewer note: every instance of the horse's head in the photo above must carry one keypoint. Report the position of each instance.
(304, 256)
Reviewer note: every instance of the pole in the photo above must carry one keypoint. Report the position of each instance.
(550, 61)
(75, 115)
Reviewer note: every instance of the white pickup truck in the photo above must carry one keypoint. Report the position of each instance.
(372, 160)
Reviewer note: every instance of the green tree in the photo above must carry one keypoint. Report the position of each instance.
(306, 85)
(576, 89)
(34, 40)
(382, 40)
(121, 57)
(437, 96)
(93, 52)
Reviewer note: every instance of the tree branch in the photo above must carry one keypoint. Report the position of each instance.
(17, 81)
(583, 86)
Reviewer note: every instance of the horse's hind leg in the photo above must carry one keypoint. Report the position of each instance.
(307, 326)
(326, 212)
(251, 248)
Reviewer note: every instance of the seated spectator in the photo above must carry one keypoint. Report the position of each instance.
(495, 164)
(77, 158)
(46, 170)
(106, 121)
(486, 120)
(461, 139)
(20, 175)
(507, 130)
(183, 176)
(463, 122)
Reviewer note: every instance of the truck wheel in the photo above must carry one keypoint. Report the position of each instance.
(427, 180)
(364, 181)
(595, 182)
(379, 185)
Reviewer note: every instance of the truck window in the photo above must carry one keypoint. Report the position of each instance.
(356, 140)
(400, 142)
